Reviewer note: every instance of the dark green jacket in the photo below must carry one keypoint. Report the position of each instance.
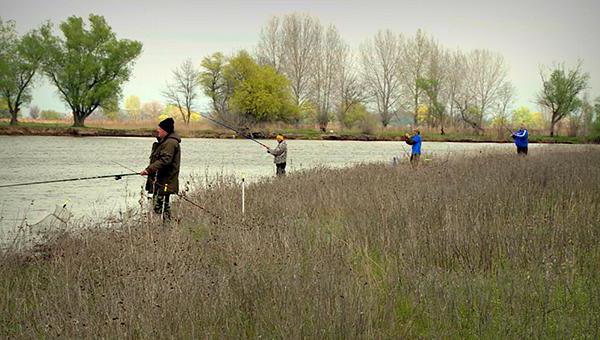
(163, 171)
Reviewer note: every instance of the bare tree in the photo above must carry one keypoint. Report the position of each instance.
(381, 72)
(506, 98)
(182, 92)
(34, 112)
(433, 85)
(290, 46)
(332, 50)
(454, 80)
(481, 89)
(152, 109)
(350, 89)
(415, 57)
(270, 45)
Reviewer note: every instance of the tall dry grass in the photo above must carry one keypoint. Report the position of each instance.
(495, 247)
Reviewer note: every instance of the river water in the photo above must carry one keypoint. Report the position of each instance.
(37, 158)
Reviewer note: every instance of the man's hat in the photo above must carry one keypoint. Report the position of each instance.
(168, 125)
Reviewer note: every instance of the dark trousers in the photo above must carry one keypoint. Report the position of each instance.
(521, 150)
(280, 169)
(414, 158)
(162, 206)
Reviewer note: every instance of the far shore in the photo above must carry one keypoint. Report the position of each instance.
(41, 129)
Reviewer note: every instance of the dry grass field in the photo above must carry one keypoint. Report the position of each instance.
(495, 246)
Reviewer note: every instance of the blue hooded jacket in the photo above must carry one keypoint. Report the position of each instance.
(521, 138)
(415, 141)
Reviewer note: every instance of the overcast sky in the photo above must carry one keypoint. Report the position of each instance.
(529, 33)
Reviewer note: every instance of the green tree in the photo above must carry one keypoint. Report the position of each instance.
(436, 109)
(522, 115)
(260, 93)
(597, 112)
(19, 61)
(242, 90)
(355, 115)
(88, 66)
(4, 108)
(133, 107)
(560, 92)
(213, 83)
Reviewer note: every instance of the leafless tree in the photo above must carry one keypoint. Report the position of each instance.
(270, 45)
(481, 89)
(152, 109)
(291, 47)
(182, 92)
(414, 58)
(34, 112)
(350, 89)
(434, 84)
(381, 70)
(326, 76)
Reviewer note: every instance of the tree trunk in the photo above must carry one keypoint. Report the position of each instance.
(78, 120)
(552, 128)
(13, 117)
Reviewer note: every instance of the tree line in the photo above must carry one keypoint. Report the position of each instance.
(300, 71)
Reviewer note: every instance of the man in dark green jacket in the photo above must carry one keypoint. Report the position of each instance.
(163, 171)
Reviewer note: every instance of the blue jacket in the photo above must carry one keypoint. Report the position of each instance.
(415, 141)
(521, 138)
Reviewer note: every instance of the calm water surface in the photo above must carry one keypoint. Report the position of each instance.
(36, 158)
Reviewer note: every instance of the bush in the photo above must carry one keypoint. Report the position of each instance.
(367, 124)
(51, 115)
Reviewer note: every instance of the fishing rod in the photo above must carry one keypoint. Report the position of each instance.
(403, 149)
(116, 177)
(182, 196)
(233, 129)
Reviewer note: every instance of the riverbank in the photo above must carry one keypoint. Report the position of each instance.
(485, 247)
(59, 129)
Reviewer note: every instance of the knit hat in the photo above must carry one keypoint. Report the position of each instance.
(168, 125)
(279, 138)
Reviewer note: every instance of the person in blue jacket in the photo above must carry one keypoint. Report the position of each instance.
(521, 138)
(415, 142)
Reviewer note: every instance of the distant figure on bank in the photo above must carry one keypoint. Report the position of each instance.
(521, 138)
(280, 153)
(415, 142)
(163, 171)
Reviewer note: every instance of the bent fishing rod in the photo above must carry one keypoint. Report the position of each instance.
(233, 129)
(116, 177)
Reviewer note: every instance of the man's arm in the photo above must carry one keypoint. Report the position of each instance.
(278, 150)
(522, 134)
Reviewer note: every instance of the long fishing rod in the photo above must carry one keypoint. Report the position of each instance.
(182, 196)
(233, 129)
(509, 130)
(116, 177)
(403, 149)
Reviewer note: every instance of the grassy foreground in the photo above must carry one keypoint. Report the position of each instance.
(492, 247)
